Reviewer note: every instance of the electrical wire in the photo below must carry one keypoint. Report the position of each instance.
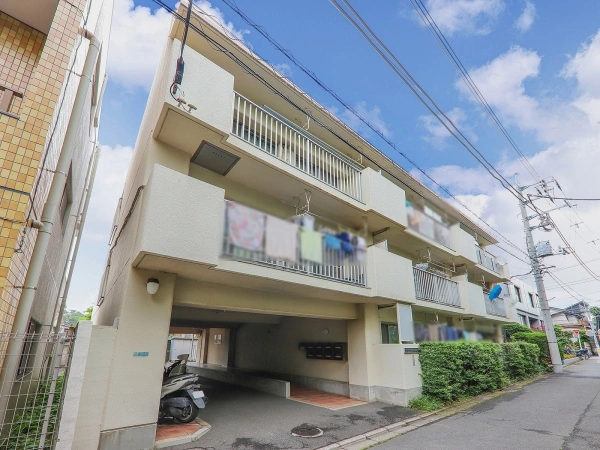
(346, 105)
(567, 198)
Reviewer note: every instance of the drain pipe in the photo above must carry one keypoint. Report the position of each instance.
(19, 329)
(75, 241)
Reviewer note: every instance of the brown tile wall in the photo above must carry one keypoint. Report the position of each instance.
(23, 141)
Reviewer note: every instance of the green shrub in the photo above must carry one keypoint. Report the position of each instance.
(509, 329)
(26, 431)
(425, 403)
(538, 338)
(455, 370)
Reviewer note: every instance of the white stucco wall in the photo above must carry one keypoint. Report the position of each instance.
(463, 243)
(383, 197)
(218, 352)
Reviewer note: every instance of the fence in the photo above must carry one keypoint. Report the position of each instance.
(265, 131)
(487, 260)
(428, 226)
(434, 288)
(30, 403)
(494, 307)
(338, 265)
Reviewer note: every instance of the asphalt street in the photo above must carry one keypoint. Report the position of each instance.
(558, 412)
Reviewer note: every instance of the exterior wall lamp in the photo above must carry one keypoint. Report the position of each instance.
(152, 285)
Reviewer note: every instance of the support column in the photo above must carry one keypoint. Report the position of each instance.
(131, 407)
(362, 334)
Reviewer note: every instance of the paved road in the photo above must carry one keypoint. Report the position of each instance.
(243, 419)
(561, 412)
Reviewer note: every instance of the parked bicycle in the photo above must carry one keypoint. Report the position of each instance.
(583, 353)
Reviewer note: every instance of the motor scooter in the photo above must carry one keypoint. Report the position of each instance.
(176, 367)
(181, 398)
(583, 353)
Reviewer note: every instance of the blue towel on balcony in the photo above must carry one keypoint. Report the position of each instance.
(347, 248)
(344, 236)
(332, 242)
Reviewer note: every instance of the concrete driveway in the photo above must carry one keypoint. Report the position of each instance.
(558, 412)
(243, 419)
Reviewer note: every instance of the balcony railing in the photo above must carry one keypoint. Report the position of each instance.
(272, 135)
(494, 307)
(434, 288)
(428, 226)
(487, 260)
(343, 265)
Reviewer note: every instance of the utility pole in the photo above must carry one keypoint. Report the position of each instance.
(538, 276)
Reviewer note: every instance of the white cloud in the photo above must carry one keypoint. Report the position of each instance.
(283, 69)
(465, 16)
(371, 115)
(526, 19)
(137, 38)
(571, 156)
(438, 133)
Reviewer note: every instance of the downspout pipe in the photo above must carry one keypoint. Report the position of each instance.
(22, 316)
(79, 230)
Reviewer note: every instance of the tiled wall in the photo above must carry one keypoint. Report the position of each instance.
(24, 141)
(20, 49)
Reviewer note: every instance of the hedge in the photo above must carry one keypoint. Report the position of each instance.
(537, 338)
(454, 370)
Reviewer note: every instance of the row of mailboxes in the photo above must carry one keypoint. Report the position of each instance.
(332, 351)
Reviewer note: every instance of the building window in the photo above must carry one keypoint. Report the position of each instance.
(531, 300)
(28, 353)
(523, 320)
(389, 333)
(518, 291)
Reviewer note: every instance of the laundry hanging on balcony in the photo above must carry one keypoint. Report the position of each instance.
(245, 226)
(495, 292)
(281, 239)
(311, 245)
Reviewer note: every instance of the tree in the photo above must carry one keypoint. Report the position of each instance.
(87, 314)
(595, 311)
(72, 316)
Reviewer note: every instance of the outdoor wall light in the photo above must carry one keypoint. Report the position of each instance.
(152, 285)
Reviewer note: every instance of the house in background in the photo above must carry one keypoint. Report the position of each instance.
(576, 317)
(523, 303)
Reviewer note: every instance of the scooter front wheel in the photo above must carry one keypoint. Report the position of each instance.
(189, 414)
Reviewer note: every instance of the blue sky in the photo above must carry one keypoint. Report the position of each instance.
(537, 64)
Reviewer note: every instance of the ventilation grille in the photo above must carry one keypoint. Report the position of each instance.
(214, 159)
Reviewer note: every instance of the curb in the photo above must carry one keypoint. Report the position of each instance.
(379, 435)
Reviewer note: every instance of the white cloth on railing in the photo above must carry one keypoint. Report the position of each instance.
(245, 227)
(311, 245)
(281, 239)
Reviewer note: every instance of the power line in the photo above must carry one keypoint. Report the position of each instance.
(438, 35)
(567, 198)
(311, 74)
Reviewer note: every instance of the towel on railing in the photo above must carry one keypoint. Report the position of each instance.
(347, 248)
(311, 245)
(245, 227)
(332, 242)
(282, 239)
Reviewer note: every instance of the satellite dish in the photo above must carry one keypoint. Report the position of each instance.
(495, 292)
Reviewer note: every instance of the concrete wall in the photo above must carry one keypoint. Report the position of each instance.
(274, 348)
(463, 243)
(471, 296)
(218, 352)
(384, 197)
(390, 276)
(396, 374)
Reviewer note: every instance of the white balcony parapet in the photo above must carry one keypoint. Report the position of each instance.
(428, 226)
(434, 288)
(487, 260)
(337, 265)
(266, 131)
(494, 307)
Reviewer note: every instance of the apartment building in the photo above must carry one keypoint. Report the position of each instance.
(52, 66)
(291, 245)
(523, 303)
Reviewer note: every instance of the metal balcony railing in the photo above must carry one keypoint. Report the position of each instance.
(434, 288)
(338, 265)
(494, 307)
(487, 260)
(264, 130)
(428, 226)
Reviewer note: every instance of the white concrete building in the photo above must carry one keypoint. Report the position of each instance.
(523, 303)
(290, 294)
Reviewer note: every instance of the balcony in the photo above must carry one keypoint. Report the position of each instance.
(487, 260)
(428, 226)
(494, 307)
(434, 288)
(276, 136)
(337, 260)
